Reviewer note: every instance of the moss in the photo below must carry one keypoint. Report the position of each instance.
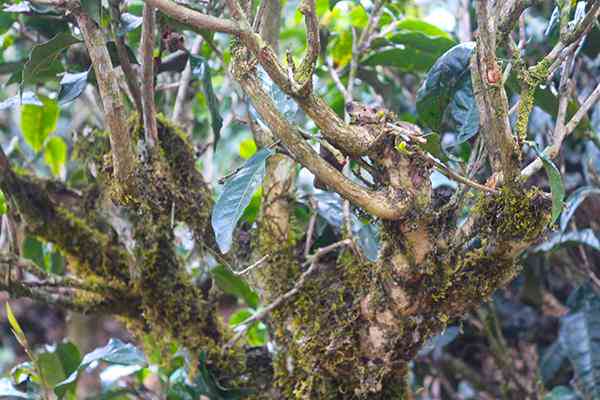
(512, 214)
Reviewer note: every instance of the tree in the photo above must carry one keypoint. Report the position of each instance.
(346, 318)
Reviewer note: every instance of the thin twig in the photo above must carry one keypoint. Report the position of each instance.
(311, 229)
(147, 47)
(259, 316)
(251, 267)
(453, 175)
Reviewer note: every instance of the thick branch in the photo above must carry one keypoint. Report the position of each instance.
(491, 98)
(114, 111)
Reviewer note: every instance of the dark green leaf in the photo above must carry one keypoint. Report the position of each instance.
(33, 250)
(11, 67)
(464, 112)
(37, 122)
(232, 284)
(445, 78)
(43, 62)
(584, 236)
(579, 335)
(201, 69)
(414, 46)
(71, 86)
(236, 196)
(573, 201)
(556, 185)
(115, 352)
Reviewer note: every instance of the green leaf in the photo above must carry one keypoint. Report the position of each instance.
(71, 86)
(115, 352)
(232, 284)
(247, 148)
(14, 324)
(37, 122)
(8, 390)
(236, 196)
(342, 48)
(556, 184)
(251, 212)
(446, 77)
(358, 17)
(579, 335)
(584, 236)
(573, 201)
(55, 154)
(256, 335)
(43, 62)
(33, 250)
(200, 68)
(464, 112)
(414, 46)
(3, 204)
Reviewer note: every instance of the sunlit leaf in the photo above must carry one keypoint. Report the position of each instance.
(247, 148)
(55, 154)
(236, 196)
(37, 122)
(358, 17)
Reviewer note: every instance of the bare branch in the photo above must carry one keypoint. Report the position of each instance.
(147, 50)
(114, 110)
(195, 18)
(491, 98)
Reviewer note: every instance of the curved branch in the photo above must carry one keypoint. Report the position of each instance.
(377, 203)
